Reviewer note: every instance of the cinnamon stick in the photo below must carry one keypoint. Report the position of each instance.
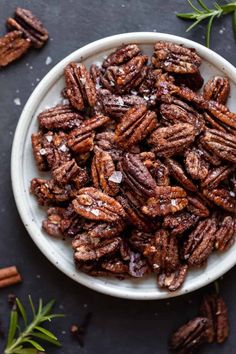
(9, 276)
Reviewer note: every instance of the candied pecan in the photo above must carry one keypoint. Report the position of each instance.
(95, 205)
(188, 338)
(225, 234)
(200, 242)
(60, 117)
(175, 58)
(169, 141)
(216, 175)
(47, 192)
(27, 23)
(160, 173)
(208, 155)
(197, 207)
(214, 309)
(80, 88)
(106, 141)
(81, 139)
(102, 170)
(222, 198)
(139, 240)
(148, 158)
(179, 174)
(138, 266)
(81, 179)
(136, 176)
(222, 115)
(192, 81)
(105, 230)
(220, 143)
(167, 200)
(217, 89)
(180, 222)
(134, 126)
(65, 172)
(177, 111)
(174, 280)
(71, 224)
(37, 146)
(121, 55)
(12, 47)
(195, 164)
(115, 266)
(162, 252)
(52, 224)
(147, 87)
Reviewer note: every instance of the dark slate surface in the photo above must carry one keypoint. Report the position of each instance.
(118, 326)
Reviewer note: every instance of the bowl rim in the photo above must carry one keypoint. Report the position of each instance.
(16, 159)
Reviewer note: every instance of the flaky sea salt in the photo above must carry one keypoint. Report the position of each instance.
(82, 80)
(42, 152)
(17, 101)
(48, 60)
(173, 202)
(63, 148)
(120, 101)
(232, 194)
(49, 138)
(95, 212)
(116, 177)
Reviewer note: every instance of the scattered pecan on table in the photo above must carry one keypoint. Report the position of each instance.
(142, 167)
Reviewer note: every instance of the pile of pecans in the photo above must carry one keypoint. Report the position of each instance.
(142, 166)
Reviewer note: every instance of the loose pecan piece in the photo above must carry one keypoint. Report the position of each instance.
(214, 309)
(121, 55)
(195, 164)
(36, 140)
(134, 126)
(47, 192)
(102, 170)
(172, 140)
(222, 198)
(216, 176)
(217, 89)
(32, 28)
(52, 224)
(167, 200)
(107, 142)
(200, 242)
(175, 58)
(174, 280)
(95, 205)
(222, 144)
(188, 338)
(80, 88)
(60, 117)
(136, 176)
(12, 47)
(179, 174)
(81, 139)
(197, 207)
(225, 235)
(180, 222)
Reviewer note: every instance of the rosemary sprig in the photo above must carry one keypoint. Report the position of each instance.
(203, 13)
(25, 341)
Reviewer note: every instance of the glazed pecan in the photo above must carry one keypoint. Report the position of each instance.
(105, 230)
(95, 205)
(174, 280)
(221, 197)
(195, 164)
(220, 143)
(107, 142)
(81, 139)
(217, 89)
(192, 81)
(60, 117)
(208, 155)
(188, 338)
(80, 89)
(200, 242)
(32, 28)
(115, 266)
(48, 192)
(136, 176)
(36, 140)
(167, 200)
(121, 55)
(179, 174)
(134, 126)
(12, 47)
(147, 88)
(71, 224)
(216, 175)
(160, 173)
(214, 309)
(139, 240)
(138, 266)
(172, 140)
(197, 206)
(52, 225)
(65, 172)
(225, 234)
(180, 222)
(175, 58)
(103, 172)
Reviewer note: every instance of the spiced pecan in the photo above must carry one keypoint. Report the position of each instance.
(107, 142)
(37, 146)
(139, 240)
(179, 174)
(172, 140)
(217, 89)
(105, 230)
(12, 47)
(160, 173)
(95, 205)
(214, 309)
(30, 25)
(103, 172)
(52, 224)
(208, 155)
(225, 235)
(195, 164)
(222, 198)
(197, 206)
(80, 88)
(200, 242)
(216, 175)
(167, 200)
(121, 55)
(65, 172)
(48, 192)
(115, 266)
(134, 126)
(180, 222)
(174, 280)
(147, 88)
(189, 337)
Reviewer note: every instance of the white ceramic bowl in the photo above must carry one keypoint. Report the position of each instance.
(23, 169)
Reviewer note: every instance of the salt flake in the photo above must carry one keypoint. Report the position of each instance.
(95, 212)
(232, 194)
(49, 138)
(116, 177)
(17, 101)
(42, 152)
(48, 60)
(173, 202)
(63, 148)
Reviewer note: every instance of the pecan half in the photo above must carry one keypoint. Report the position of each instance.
(147, 88)
(95, 205)
(80, 88)
(115, 266)
(121, 55)
(139, 240)
(107, 142)
(192, 81)
(160, 173)
(195, 164)
(134, 126)
(65, 172)
(12, 47)
(200, 242)
(197, 206)
(47, 192)
(208, 155)
(177, 171)
(167, 200)
(180, 222)
(217, 89)
(105, 230)
(172, 140)
(216, 176)
(190, 336)
(174, 280)
(52, 224)
(222, 198)
(225, 235)
(214, 309)
(32, 28)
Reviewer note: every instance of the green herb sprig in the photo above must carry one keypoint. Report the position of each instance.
(25, 341)
(203, 13)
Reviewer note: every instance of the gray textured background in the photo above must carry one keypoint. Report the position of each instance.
(118, 326)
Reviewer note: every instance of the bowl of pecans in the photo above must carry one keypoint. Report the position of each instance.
(123, 165)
